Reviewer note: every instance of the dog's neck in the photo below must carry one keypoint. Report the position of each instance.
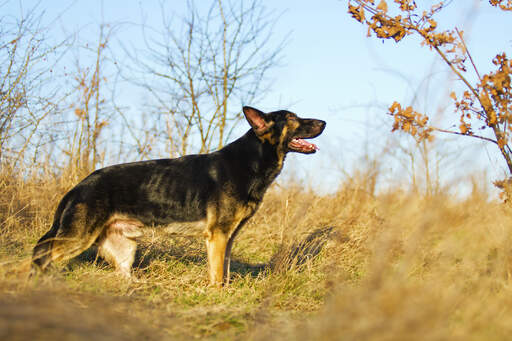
(259, 163)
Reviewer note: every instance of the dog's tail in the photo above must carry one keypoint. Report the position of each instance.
(41, 256)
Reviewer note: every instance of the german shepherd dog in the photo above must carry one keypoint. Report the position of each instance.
(219, 191)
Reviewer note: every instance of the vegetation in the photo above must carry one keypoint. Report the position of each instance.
(59, 100)
(195, 70)
(354, 265)
(357, 264)
(484, 105)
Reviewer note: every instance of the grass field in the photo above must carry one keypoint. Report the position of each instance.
(354, 265)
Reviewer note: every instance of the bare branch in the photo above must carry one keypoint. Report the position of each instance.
(203, 68)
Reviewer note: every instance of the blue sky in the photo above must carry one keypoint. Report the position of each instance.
(331, 70)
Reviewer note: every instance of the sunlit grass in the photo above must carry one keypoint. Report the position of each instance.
(353, 265)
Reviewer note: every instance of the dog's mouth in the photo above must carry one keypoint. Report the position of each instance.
(300, 145)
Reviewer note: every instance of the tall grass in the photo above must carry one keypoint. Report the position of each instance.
(436, 269)
(352, 265)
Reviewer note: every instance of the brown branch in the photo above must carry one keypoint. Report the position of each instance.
(468, 135)
(469, 54)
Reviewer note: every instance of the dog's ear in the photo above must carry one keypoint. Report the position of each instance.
(256, 119)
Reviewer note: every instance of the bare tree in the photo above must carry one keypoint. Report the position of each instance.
(198, 72)
(27, 96)
(91, 110)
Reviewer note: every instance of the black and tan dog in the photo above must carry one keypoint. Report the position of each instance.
(219, 191)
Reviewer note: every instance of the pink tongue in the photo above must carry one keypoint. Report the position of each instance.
(305, 144)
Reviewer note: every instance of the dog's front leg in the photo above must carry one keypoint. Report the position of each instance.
(227, 256)
(216, 242)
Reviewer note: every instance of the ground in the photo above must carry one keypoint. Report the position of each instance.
(353, 265)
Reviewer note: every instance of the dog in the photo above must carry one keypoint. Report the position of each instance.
(218, 191)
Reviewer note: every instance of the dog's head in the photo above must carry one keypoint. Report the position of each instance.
(284, 130)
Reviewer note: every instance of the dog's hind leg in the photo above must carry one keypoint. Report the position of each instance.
(117, 244)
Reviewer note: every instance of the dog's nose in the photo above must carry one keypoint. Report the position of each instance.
(321, 124)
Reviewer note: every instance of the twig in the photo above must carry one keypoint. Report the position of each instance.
(459, 133)
(469, 54)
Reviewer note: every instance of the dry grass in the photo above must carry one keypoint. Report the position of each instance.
(347, 266)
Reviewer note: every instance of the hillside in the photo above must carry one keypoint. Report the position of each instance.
(354, 265)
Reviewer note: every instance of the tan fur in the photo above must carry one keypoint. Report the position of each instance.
(225, 217)
(118, 250)
(116, 243)
(216, 248)
(125, 225)
(269, 137)
(280, 151)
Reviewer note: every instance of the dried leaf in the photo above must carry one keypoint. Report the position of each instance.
(383, 6)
